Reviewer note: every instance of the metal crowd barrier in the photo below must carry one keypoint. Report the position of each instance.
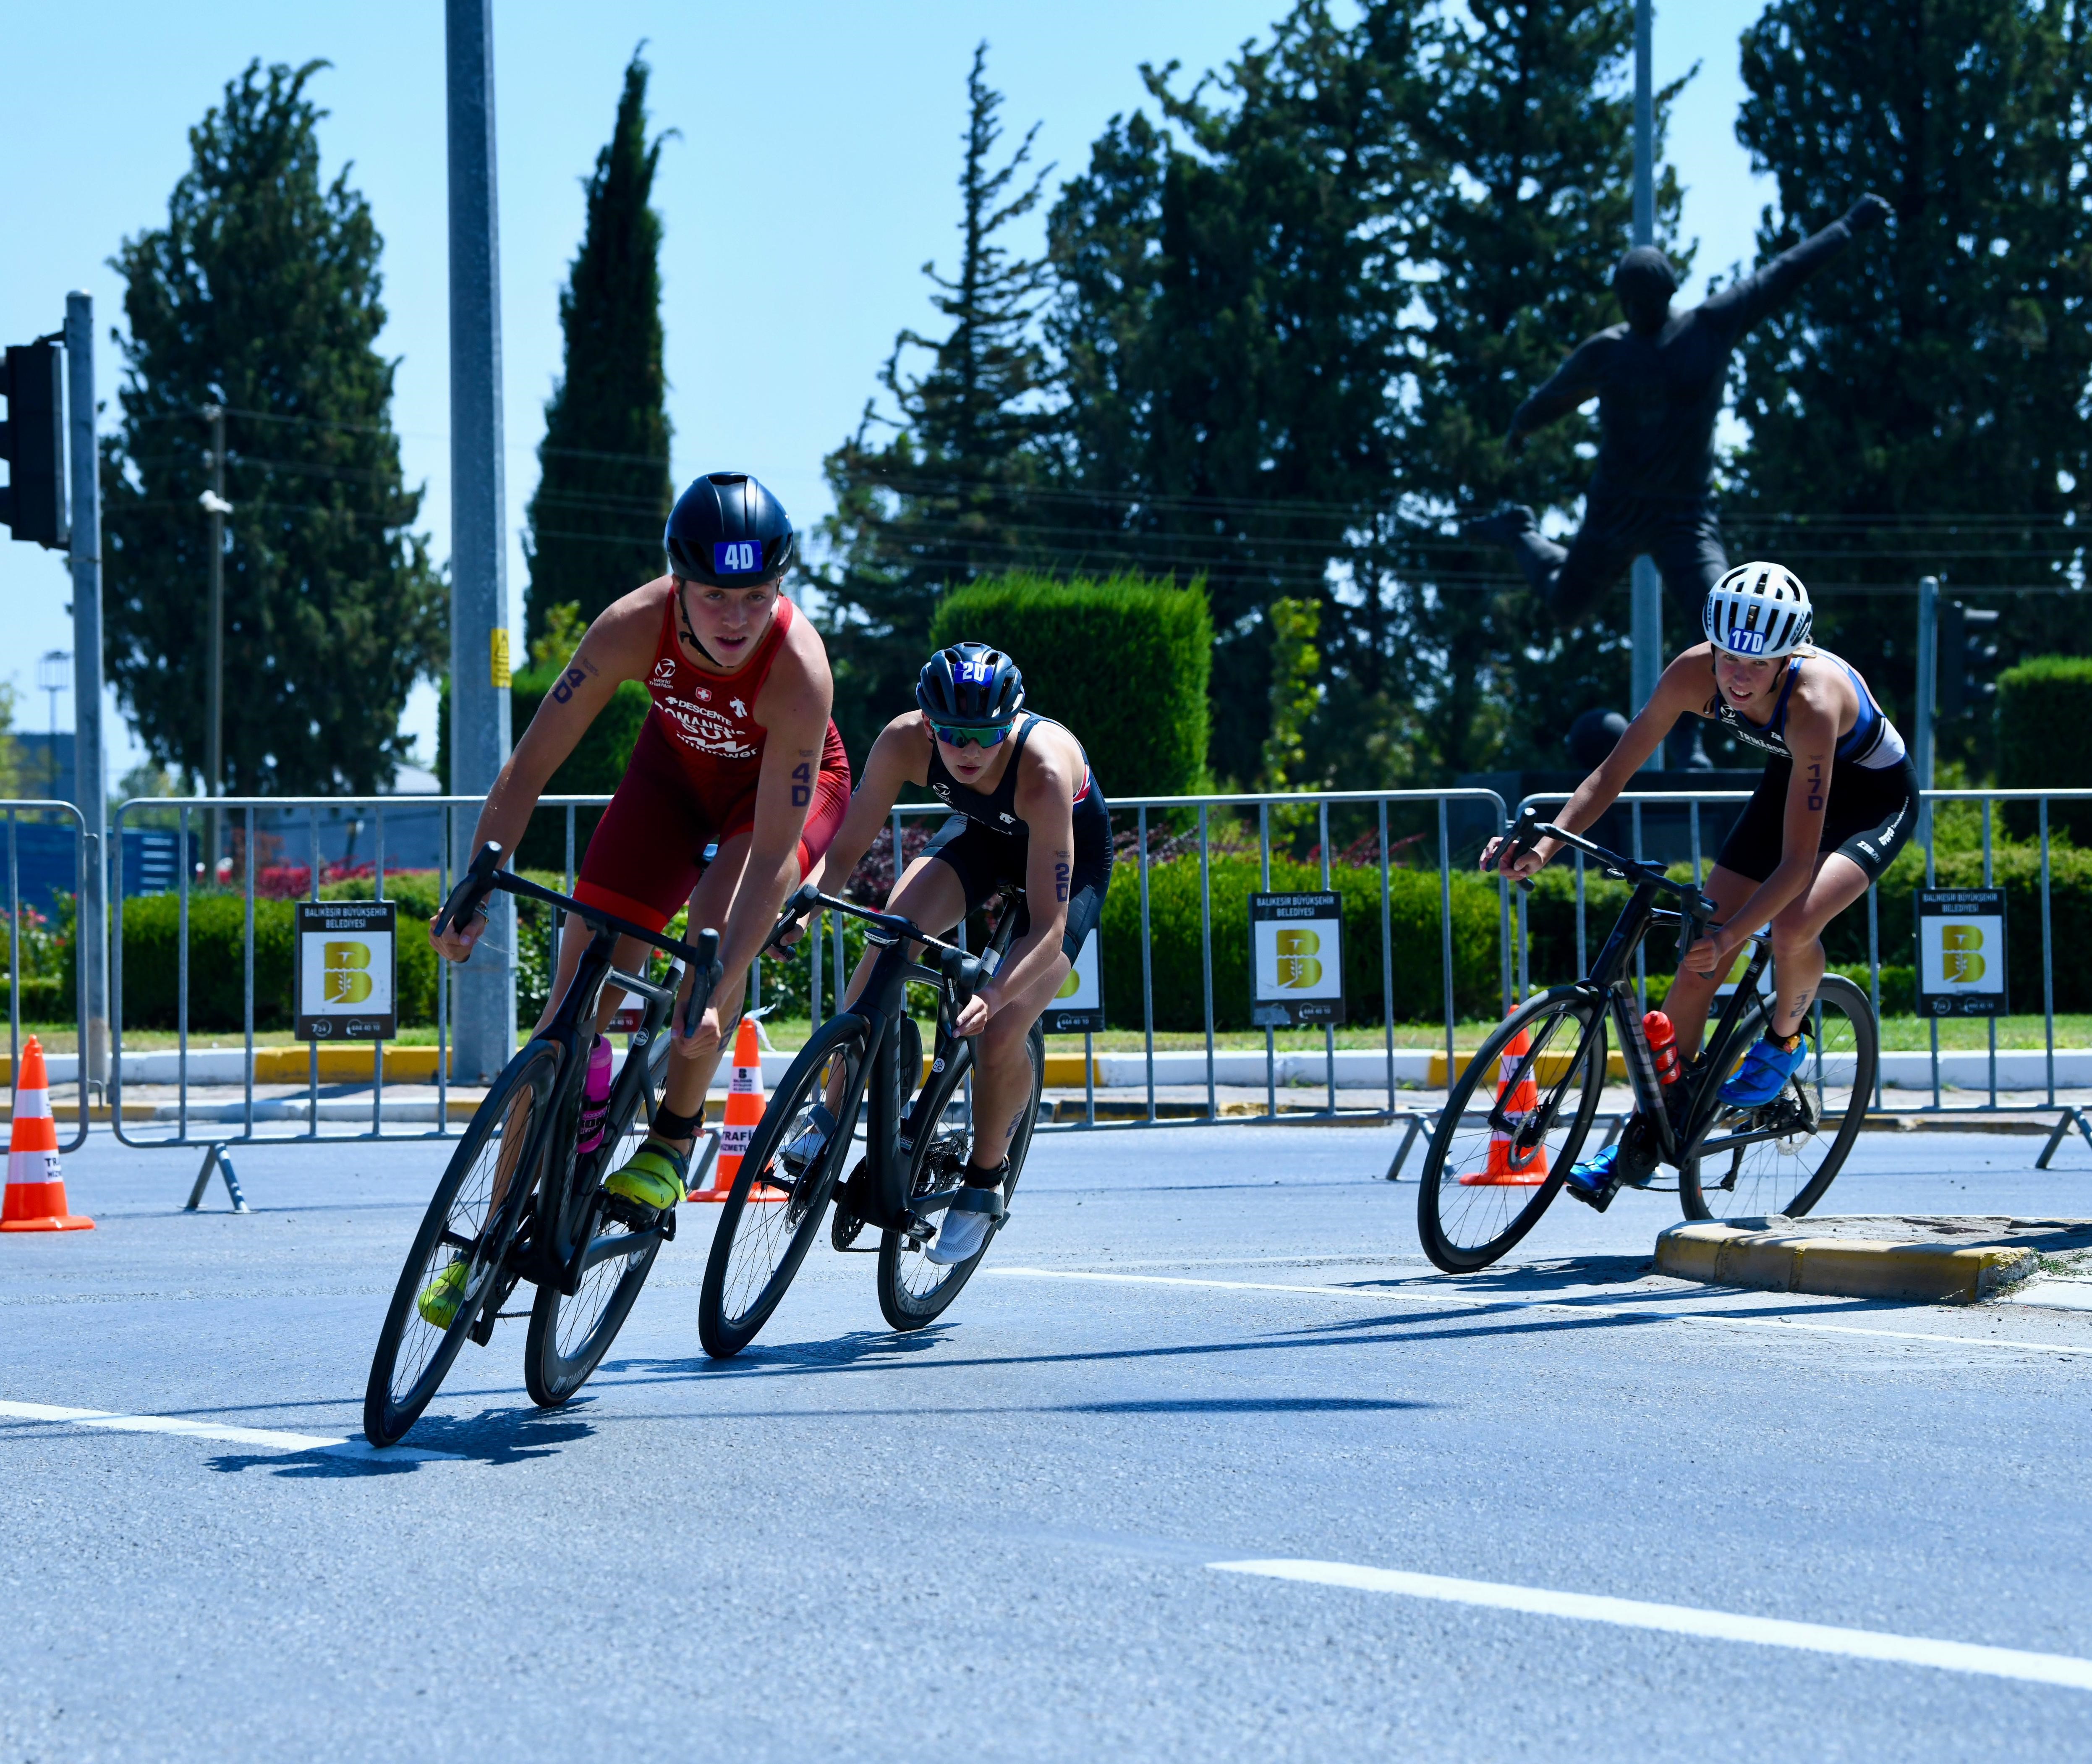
(72, 829)
(2071, 1115)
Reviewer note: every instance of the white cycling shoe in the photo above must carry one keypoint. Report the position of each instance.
(965, 1231)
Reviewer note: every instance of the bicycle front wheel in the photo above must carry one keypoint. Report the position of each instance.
(1512, 1126)
(455, 1263)
(570, 1334)
(913, 1290)
(1780, 1158)
(768, 1220)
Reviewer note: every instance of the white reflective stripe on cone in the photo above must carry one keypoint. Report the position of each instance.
(32, 1167)
(32, 1102)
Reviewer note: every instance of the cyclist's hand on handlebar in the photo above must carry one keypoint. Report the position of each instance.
(974, 1014)
(455, 943)
(1523, 866)
(706, 1039)
(1711, 954)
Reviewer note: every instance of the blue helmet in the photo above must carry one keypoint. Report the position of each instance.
(970, 684)
(727, 531)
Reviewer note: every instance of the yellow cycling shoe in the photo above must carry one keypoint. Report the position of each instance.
(655, 1177)
(440, 1298)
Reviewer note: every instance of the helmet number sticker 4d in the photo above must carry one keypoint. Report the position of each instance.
(737, 557)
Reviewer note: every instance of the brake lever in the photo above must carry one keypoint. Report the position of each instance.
(472, 889)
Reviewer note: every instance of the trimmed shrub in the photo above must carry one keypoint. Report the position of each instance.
(1179, 974)
(45, 999)
(1124, 662)
(2045, 738)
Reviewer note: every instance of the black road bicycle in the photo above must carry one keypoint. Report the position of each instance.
(519, 1203)
(911, 1171)
(1494, 1165)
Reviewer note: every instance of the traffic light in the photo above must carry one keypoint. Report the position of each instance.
(1968, 654)
(32, 441)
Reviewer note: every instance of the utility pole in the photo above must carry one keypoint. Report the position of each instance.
(1928, 696)
(485, 1018)
(213, 736)
(1645, 615)
(90, 781)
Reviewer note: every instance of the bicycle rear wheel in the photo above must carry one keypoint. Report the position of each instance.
(470, 1222)
(913, 1290)
(1486, 1182)
(1781, 1157)
(768, 1220)
(569, 1334)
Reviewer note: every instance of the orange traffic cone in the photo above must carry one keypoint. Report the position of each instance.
(36, 1191)
(1521, 1100)
(744, 1108)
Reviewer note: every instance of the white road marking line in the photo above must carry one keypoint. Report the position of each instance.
(1365, 1294)
(1686, 1620)
(267, 1438)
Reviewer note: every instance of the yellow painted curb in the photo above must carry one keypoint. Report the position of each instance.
(344, 1065)
(1837, 1267)
(1548, 1069)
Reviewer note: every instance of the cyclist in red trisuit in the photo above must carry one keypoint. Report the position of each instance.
(737, 751)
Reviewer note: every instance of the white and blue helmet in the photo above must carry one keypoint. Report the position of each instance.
(1758, 610)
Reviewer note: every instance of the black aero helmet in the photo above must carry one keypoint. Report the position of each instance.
(970, 684)
(729, 532)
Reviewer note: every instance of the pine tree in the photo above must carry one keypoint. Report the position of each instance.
(939, 498)
(604, 491)
(1231, 319)
(261, 295)
(1918, 410)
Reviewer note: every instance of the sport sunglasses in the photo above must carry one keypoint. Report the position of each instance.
(961, 735)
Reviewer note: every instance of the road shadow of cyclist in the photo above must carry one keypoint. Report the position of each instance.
(494, 1437)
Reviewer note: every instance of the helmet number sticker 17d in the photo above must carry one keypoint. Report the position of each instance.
(1746, 642)
(737, 557)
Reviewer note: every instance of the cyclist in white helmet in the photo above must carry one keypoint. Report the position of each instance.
(1838, 800)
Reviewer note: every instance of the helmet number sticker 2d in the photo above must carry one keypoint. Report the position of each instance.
(737, 557)
(977, 672)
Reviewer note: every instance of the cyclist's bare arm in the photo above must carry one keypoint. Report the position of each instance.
(897, 757)
(618, 646)
(1683, 689)
(793, 710)
(1045, 803)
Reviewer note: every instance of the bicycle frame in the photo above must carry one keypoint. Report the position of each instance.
(880, 1087)
(563, 1246)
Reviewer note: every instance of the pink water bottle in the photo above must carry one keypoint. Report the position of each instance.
(595, 1096)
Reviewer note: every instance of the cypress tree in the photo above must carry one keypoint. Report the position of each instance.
(261, 295)
(938, 497)
(595, 520)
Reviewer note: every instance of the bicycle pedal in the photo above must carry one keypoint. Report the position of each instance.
(1596, 1203)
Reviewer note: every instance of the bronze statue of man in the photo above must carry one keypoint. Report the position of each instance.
(1658, 380)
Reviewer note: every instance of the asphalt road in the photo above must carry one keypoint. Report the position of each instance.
(998, 1537)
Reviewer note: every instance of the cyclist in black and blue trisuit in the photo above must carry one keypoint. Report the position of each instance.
(1029, 811)
(1838, 799)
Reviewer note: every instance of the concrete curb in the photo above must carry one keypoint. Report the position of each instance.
(1789, 1261)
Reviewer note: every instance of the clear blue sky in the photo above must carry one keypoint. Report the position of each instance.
(814, 177)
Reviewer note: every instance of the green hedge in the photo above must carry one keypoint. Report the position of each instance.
(45, 999)
(2045, 737)
(152, 929)
(1124, 662)
(1178, 972)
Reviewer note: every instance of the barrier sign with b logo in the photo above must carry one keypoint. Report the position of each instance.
(345, 971)
(1961, 953)
(1296, 959)
(1079, 1006)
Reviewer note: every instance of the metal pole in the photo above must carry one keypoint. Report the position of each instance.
(479, 727)
(90, 785)
(214, 749)
(1928, 697)
(1646, 620)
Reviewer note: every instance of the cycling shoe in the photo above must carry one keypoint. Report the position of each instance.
(967, 1220)
(655, 1176)
(1764, 1073)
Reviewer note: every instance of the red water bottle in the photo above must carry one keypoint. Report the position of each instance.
(1662, 1046)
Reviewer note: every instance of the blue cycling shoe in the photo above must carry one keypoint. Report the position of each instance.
(1596, 1176)
(1764, 1073)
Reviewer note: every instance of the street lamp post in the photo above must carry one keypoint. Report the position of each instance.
(54, 675)
(1645, 602)
(215, 505)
